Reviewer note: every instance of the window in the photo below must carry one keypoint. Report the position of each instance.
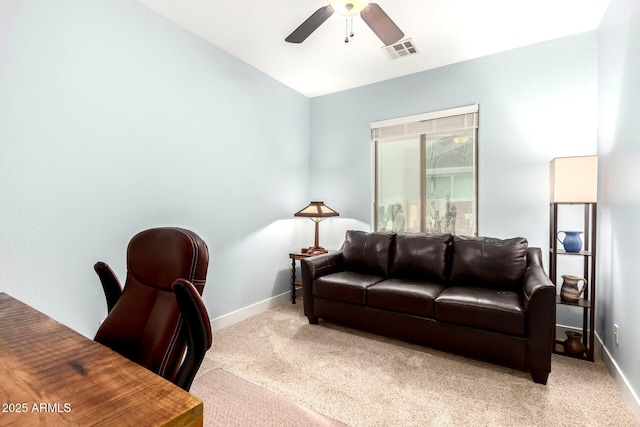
(425, 169)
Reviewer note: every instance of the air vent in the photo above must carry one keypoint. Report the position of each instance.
(400, 49)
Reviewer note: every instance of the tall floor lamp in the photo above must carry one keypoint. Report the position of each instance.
(316, 212)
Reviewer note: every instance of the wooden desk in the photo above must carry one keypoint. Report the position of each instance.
(51, 376)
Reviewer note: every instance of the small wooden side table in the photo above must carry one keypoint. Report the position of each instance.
(296, 256)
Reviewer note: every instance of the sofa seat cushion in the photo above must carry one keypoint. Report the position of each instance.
(410, 296)
(346, 286)
(491, 309)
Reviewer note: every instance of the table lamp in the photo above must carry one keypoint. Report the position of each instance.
(316, 211)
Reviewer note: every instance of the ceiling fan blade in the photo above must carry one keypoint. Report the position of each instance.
(310, 25)
(381, 24)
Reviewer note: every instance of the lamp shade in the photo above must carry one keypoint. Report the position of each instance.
(316, 210)
(574, 179)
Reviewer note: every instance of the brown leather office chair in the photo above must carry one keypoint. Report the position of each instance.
(159, 313)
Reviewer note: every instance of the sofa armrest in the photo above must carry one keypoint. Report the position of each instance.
(539, 293)
(536, 280)
(321, 265)
(539, 302)
(312, 268)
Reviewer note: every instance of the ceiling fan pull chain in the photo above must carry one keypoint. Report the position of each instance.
(351, 17)
(346, 30)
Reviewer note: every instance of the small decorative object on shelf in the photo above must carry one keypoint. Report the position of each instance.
(572, 241)
(573, 344)
(569, 291)
(574, 181)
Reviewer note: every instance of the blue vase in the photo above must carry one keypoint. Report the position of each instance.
(572, 241)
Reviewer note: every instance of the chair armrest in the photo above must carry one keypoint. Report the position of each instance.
(198, 331)
(110, 284)
(312, 268)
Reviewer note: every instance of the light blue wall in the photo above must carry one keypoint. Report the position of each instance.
(619, 193)
(113, 120)
(536, 103)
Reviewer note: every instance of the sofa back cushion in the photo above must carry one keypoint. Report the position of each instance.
(488, 262)
(368, 252)
(421, 256)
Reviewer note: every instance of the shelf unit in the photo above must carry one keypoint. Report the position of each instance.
(588, 254)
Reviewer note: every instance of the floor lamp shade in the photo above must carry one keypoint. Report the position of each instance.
(574, 179)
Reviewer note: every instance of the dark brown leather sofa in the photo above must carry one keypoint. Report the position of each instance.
(481, 297)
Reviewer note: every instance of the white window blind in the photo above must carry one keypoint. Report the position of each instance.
(440, 122)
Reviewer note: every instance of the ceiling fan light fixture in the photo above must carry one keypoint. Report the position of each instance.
(348, 7)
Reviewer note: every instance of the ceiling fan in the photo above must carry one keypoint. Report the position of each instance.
(371, 14)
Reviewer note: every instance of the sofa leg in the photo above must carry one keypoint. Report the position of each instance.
(313, 320)
(539, 377)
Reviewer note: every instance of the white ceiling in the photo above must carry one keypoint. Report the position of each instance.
(444, 31)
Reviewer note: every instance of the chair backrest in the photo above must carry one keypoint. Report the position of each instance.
(145, 325)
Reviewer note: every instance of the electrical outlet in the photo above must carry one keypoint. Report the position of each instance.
(616, 333)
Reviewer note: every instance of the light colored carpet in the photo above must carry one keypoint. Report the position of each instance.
(362, 379)
(232, 401)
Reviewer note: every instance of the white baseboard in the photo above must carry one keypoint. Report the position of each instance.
(628, 394)
(246, 312)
